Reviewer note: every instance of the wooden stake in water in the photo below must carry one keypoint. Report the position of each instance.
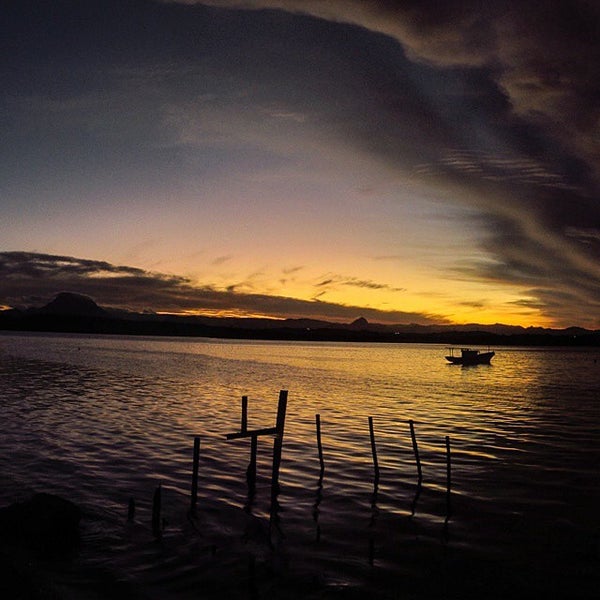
(416, 451)
(448, 475)
(374, 451)
(320, 446)
(277, 448)
(278, 443)
(195, 472)
(254, 434)
(244, 423)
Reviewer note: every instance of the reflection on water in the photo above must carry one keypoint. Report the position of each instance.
(104, 419)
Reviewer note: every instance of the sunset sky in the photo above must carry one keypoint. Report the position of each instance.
(410, 162)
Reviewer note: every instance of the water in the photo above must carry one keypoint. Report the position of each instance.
(102, 419)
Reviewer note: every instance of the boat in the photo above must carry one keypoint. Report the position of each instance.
(469, 357)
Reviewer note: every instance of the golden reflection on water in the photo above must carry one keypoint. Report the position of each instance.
(104, 418)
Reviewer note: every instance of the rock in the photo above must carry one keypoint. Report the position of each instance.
(47, 525)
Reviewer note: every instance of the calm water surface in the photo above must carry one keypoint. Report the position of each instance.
(103, 419)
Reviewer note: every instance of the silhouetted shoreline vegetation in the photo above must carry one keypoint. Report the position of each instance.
(191, 327)
(74, 313)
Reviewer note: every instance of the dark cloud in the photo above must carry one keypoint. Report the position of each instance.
(563, 285)
(221, 260)
(341, 280)
(34, 279)
(371, 285)
(500, 100)
(324, 283)
(543, 55)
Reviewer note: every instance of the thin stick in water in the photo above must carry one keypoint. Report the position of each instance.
(448, 474)
(244, 423)
(374, 450)
(416, 451)
(319, 445)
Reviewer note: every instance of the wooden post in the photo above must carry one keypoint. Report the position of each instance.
(320, 483)
(278, 443)
(320, 446)
(156, 506)
(195, 473)
(416, 450)
(244, 424)
(448, 475)
(254, 435)
(374, 450)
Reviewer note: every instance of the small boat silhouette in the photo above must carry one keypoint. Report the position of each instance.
(469, 357)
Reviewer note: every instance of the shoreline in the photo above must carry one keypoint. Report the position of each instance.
(168, 328)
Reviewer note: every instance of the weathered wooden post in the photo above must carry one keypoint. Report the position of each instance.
(374, 451)
(416, 451)
(448, 475)
(195, 473)
(320, 446)
(277, 448)
(320, 482)
(254, 434)
(278, 442)
(244, 423)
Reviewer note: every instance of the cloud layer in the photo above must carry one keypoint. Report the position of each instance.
(544, 56)
(211, 124)
(32, 279)
(526, 152)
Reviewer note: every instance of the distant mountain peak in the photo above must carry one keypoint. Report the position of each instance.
(360, 323)
(70, 303)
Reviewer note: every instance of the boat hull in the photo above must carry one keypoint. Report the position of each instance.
(481, 358)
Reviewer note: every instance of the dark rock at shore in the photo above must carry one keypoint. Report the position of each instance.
(47, 525)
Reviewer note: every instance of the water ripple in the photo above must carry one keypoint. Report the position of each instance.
(103, 419)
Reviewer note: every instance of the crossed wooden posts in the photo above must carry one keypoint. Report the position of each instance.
(254, 434)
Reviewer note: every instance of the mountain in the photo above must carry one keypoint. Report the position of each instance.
(75, 313)
(361, 324)
(71, 304)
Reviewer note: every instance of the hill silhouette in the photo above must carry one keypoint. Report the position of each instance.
(70, 312)
(70, 303)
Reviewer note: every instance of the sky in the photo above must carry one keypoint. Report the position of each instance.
(408, 162)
